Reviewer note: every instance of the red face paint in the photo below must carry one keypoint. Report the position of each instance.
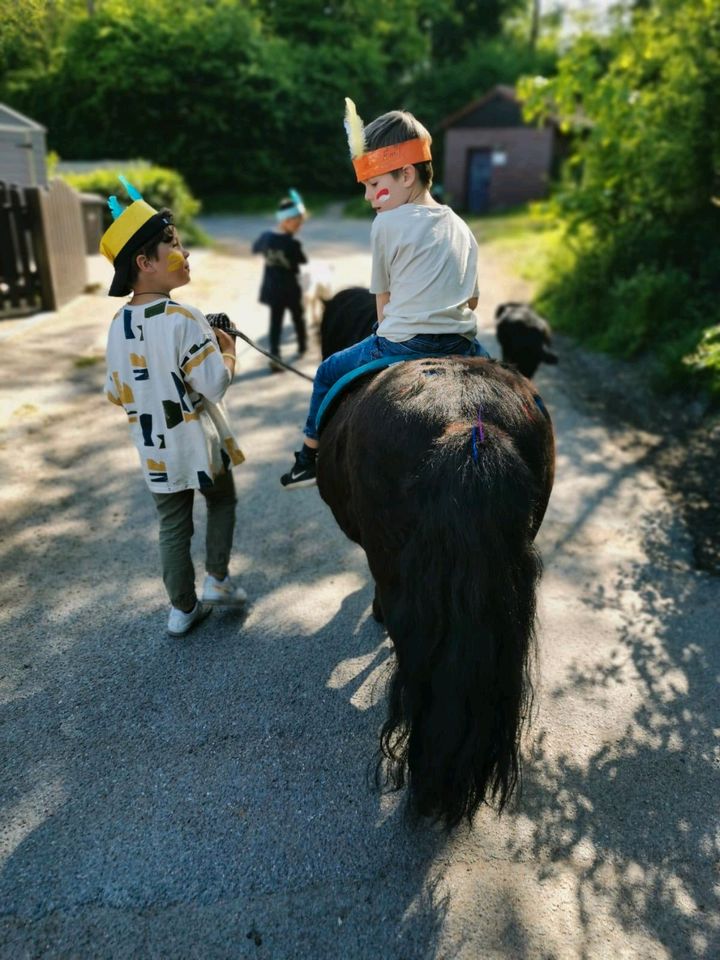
(382, 195)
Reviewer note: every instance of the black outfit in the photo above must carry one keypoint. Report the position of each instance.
(280, 289)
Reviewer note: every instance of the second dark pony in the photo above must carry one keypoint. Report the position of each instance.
(348, 317)
(442, 469)
(524, 336)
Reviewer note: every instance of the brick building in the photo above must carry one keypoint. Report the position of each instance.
(493, 158)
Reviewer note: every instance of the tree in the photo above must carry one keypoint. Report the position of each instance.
(646, 100)
(31, 32)
(458, 25)
(191, 86)
(245, 95)
(642, 104)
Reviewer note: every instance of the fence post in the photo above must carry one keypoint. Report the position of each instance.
(59, 242)
(19, 279)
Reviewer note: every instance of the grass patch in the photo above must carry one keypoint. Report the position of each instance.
(524, 238)
(81, 362)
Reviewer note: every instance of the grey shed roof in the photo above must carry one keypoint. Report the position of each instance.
(12, 120)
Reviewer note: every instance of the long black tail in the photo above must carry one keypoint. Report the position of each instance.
(461, 612)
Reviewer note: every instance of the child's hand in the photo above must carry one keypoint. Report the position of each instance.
(221, 320)
(227, 343)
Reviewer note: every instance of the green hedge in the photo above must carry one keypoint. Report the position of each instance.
(608, 295)
(160, 186)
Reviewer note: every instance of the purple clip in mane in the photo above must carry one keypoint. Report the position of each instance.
(478, 435)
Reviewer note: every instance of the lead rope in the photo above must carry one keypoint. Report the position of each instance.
(222, 322)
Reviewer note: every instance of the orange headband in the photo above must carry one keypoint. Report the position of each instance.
(377, 162)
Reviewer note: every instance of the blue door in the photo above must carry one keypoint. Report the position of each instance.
(478, 180)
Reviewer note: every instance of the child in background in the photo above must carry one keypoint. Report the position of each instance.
(424, 264)
(280, 288)
(170, 370)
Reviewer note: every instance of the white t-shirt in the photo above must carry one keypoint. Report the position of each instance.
(165, 369)
(426, 259)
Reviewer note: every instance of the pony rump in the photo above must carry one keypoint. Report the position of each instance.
(447, 509)
(462, 620)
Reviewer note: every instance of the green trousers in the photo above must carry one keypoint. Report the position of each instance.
(175, 511)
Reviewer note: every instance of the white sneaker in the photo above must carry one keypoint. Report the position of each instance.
(222, 592)
(179, 622)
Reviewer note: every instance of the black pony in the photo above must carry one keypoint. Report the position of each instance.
(348, 317)
(524, 336)
(441, 469)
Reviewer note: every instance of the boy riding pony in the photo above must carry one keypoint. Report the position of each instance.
(424, 264)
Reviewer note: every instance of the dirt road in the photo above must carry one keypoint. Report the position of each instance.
(208, 798)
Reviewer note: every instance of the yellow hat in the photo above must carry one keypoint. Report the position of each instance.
(131, 229)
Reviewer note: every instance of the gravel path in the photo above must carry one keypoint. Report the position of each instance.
(208, 798)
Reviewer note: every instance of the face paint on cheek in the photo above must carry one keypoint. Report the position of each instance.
(175, 261)
(382, 195)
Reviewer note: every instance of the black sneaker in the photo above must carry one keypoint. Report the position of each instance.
(301, 475)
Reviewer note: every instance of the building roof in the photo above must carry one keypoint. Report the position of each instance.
(13, 120)
(500, 90)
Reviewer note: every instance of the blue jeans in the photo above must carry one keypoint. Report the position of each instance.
(374, 347)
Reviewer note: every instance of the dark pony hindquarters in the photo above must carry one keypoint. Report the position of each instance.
(447, 521)
(348, 317)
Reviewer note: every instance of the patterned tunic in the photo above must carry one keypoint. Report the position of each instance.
(165, 369)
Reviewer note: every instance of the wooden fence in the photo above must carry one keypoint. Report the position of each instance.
(42, 248)
(20, 291)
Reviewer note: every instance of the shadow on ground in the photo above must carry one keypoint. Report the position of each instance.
(161, 794)
(210, 797)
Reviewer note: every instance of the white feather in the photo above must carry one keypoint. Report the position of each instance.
(354, 129)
